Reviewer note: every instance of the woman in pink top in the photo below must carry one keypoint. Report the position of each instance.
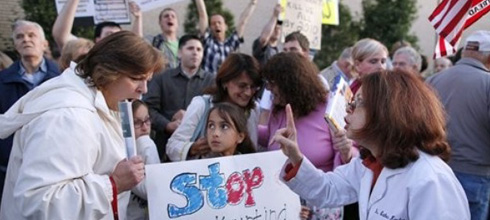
(293, 79)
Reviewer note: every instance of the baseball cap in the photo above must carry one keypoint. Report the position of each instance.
(478, 41)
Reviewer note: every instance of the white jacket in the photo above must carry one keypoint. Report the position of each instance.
(424, 189)
(66, 144)
(179, 144)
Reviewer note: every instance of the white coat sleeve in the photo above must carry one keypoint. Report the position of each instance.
(431, 195)
(179, 144)
(147, 149)
(326, 190)
(56, 179)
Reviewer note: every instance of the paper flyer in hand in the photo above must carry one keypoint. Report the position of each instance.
(340, 94)
(126, 114)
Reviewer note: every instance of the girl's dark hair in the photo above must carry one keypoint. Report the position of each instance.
(403, 114)
(298, 82)
(233, 67)
(235, 116)
(136, 103)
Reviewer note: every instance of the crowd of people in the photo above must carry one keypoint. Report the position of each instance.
(413, 147)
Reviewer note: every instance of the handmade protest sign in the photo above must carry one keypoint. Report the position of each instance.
(234, 187)
(85, 7)
(147, 5)
(101, 10)
(111, 10)
(304, 16)
(330, 12)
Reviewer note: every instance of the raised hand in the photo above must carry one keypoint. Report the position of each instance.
(179, 115)
(134, 8)
(343, 144)
(172, 126)
(200, 147)
(277, 10)
(286, 137)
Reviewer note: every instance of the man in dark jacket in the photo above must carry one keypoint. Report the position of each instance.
(22, 76)
(170, 93)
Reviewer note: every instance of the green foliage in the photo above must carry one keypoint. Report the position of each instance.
(212, 7)
(44, 13)
(389, 21)
(336, 38)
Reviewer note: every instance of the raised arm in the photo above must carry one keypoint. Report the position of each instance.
(203, 16)
(137, 28)
(269, 27)
(244, 17)
(64, 23)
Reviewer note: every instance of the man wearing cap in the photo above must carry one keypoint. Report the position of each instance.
(464, 89)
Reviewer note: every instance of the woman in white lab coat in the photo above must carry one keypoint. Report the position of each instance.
(401, 173)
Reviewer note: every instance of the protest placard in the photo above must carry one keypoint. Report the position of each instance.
(111, 10)
(330, 12)
(338, 97)
(304, 16)
(101, 10)
(85, 7)
(234, 187)
(147, 5)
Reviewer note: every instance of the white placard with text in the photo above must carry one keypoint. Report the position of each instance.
(234, 187)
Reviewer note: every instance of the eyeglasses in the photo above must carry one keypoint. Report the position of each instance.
(353, 104)
(244, 87)
(138, 124)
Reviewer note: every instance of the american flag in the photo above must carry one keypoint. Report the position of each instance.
(450, 18)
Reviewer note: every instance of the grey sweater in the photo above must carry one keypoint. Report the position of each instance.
(464, 91)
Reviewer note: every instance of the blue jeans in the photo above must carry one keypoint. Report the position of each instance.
(477, 189)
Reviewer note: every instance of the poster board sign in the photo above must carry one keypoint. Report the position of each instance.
(111, 10)
(234, 187)
(330, 12)
(101, 10)
(147, 5)
(85, 7)
(338, 98)
(304, 16)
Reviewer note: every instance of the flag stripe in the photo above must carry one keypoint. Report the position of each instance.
(453, 16)
(438, 10)
(448, 11)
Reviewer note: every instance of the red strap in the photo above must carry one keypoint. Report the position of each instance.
(114, 198)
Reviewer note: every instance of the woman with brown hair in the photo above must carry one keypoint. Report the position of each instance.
(237, 82)
(68, 158)
(293, 80)
(401, 173)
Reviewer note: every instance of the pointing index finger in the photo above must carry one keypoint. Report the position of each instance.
(290, 118)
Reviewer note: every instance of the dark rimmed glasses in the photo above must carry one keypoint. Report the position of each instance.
(354, 103)
(138, 123)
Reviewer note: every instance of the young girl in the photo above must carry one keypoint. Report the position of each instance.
(146, 148)
(226, 131)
